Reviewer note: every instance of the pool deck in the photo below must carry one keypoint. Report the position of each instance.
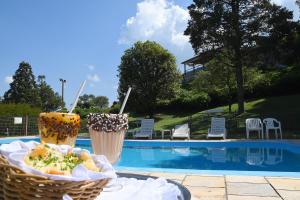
(224, 187)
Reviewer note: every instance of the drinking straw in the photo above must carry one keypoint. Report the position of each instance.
(125, 100)
(77, 96)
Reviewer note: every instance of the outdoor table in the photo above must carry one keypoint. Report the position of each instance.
(163, 133)
(184, 191)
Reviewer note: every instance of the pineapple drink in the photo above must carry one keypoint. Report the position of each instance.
(107, 133)
(58, 128)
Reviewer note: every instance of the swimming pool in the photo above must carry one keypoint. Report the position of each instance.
(280, 158)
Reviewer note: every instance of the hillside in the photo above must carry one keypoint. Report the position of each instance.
(284, 108)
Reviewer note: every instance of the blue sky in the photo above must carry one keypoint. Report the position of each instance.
(84, 40)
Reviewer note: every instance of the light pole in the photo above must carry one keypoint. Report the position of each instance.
(62, 91)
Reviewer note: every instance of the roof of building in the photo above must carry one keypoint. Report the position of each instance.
(201, 58)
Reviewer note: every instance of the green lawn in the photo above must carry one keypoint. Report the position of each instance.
(284, 108)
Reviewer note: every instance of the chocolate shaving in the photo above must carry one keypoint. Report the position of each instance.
(107, 122)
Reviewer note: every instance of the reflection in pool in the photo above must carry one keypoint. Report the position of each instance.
(212, 158)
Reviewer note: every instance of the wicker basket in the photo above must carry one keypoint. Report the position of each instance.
(15, 184)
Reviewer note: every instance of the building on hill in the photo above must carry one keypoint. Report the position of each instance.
(196, 64)
(191, 67)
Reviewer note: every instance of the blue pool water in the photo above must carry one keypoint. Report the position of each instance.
(251, 157)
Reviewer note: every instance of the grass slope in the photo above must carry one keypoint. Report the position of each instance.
(284, 108)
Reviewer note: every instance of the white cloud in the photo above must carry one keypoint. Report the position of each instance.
(93, 78)
(8, 79)
(91, 67)
(162, 21)
(290, 5)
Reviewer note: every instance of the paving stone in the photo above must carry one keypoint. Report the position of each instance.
(250, 189)
(205, 193)
(133, 172)
(169, 175)
(285, 184)
(210, 175)
(204, 181)
(209, 198)
(289, 195)
(281, 177)
(246, 179)
(237, 197)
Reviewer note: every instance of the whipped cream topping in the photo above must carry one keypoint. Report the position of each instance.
(107, 122)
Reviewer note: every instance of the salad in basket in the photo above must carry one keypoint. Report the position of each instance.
(51, 161)
(57, 162)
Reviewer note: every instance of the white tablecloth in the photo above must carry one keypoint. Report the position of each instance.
(150, 189)
(133, 189)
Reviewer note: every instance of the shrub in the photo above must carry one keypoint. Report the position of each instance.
(274, 83)
(83, 112)
(115, 108)
(185, 101)
(18, 110)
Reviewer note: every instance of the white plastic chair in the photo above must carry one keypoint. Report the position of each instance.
(274, 156)
(273, 124)
(255, 156)
(254, 124)
(146, 129)
(217, 128)
(181, 131)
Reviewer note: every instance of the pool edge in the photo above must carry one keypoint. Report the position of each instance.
(211, 172)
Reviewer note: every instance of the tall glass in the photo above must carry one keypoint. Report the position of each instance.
(107, 132)
(58, 128)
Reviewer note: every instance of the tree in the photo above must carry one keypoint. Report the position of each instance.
(101, 102)
(85, 101)
(281, 45)
(151, 72)
(218, 77)
(23, 89)
(50, 100)
(88, 101)
(298, 3)
(218, 80)
(230, 24)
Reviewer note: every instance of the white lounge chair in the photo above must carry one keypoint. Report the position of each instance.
(181, 151)
(272, 124)
(146, 129)
(181, 131)
(254, 124)
(217, 155)
(217, 128)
